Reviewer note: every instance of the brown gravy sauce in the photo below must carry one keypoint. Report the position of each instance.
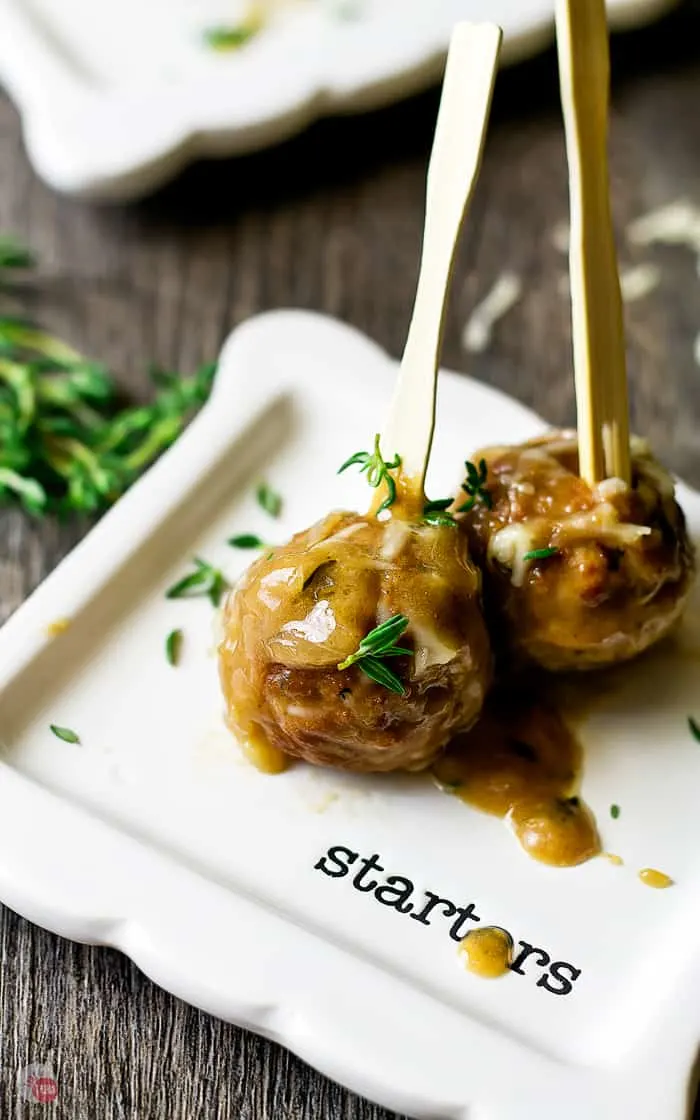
(264, 757)
(522, 762)
(617, 861)
(487, 952)
(58, 626)
(657, 879)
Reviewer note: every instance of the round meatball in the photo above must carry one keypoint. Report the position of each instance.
(578, 577)
(302, 610)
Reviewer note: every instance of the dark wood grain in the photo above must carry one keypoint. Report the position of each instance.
(331, 221)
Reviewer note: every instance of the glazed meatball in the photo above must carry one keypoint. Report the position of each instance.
(578, 577)
(304, 609)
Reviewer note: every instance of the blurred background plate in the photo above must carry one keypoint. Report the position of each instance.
(117, 96)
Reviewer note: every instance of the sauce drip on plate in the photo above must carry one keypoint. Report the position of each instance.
(264, 756)
(58, 626)
(657, 879)
(487, 952)
(617, 861)
(522, 762)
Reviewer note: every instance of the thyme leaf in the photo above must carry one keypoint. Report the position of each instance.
(435, 512)
(173, 647)
(246, 540)
(540, 553)
(268, 499)
(64, 733)
(230, 37)
(379, 644)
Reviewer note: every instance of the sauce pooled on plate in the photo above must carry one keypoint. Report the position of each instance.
(522, 762)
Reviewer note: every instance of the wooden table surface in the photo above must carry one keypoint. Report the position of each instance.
(330, 221)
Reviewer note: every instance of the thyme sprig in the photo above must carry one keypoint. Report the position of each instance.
(204, 580)
(379, 644)
(475, 486)
(66, 445)
(377, 469)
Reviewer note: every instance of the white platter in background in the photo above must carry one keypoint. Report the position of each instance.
(116, 97)
(154, 836)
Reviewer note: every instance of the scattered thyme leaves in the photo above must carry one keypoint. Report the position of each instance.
(268, 499)
(377, 470)
(64, 733)
(614, 811)
(204, 580)
(475, 486)
(694, 728)
(173, 647)
(380, 643)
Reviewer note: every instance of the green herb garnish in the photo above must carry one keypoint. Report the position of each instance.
(475, 486)
(540, 553)
(229, 37)
(204, 580)
(694, 728)
(64, 733)
(435, 512)
(377, 469)
(269, 499)
(173, 647)
(614, 811)
(378, 644)
(13, 254)
(66, 446)
(246, 540)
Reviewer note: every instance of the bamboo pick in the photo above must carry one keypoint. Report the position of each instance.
(597, 318)
(454, 166)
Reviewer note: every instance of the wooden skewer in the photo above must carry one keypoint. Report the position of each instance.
(596, 302)
(454, 167)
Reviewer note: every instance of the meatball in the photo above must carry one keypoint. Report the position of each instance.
(302, 610)
(578, 577)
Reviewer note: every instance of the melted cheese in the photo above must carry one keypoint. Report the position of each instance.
(395, 538)
(510, 545)
(430, 649)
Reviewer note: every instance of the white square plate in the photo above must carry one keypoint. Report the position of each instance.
(117, 95)
(153, 834)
